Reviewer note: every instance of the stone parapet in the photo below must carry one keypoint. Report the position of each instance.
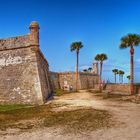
(14, 42)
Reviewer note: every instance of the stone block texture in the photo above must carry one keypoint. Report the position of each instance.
(66, 80)
(54, 76)
(124, 88)
(24, 70)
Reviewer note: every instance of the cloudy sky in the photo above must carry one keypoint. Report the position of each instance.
(99, 24)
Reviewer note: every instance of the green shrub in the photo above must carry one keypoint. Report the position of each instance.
(59, 92)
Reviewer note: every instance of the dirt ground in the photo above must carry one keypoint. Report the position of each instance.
(125, 114)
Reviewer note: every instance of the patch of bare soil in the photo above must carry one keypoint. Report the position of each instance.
(83, 112)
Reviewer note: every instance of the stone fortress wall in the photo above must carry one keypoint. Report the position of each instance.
(66, 80)
(25, 76)
(54, 76)
(123, 88)
(24, 70)
(89, 80)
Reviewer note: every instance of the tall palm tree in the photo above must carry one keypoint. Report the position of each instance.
(122, 73)
(128, 77)
(130, 41)
(101, 57)
(89, 69)
(119, 73)
(76, 46)
(85, 70)
(115, 71)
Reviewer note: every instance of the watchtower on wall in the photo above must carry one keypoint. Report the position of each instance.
(34, 33)
(95, 68)
(24, 69)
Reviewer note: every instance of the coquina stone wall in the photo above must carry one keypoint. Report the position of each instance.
(118, 87)
(44, 76)
(67, 81)
(137, 88)
(23, 70)
(54, 76)
(89, 80)
(122, 88)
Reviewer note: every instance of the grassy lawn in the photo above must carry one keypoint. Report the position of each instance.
(12, 107)
(21, 116)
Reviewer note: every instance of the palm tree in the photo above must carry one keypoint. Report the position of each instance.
(76, 46)
(119, 73)
(89, 69)
(85, 70)
(101, 57)
(128, 77)
(130, 41)
(122, 73)
(115, 71)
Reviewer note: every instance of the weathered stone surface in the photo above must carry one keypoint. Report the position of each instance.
(122, 88)
(88, 80)
(54, 76)
(44, 76)
(95, 68)
(24, 71)
(14, 42)
(66, 80)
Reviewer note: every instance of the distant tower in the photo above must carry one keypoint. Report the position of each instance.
(95, 68)
(34, 33)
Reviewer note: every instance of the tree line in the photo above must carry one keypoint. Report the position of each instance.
(128, 41)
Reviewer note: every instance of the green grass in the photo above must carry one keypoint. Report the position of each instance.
(4, 108)
(59, 92)
(70, 121)
(79, 120)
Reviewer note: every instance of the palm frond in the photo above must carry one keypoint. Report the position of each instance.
(120, 72)
(115, 71)
(129, 40)
(101, 57)
(76, 46)
(128, 77)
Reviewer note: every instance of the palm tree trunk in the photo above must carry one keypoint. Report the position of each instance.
(77, 64)
(100, 86)
(115, 78)
(119, 78)
(122, 78)
(132, 70)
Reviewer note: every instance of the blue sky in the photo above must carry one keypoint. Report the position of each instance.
(99, 24)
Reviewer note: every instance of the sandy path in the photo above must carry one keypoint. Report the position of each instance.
(127, 114)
